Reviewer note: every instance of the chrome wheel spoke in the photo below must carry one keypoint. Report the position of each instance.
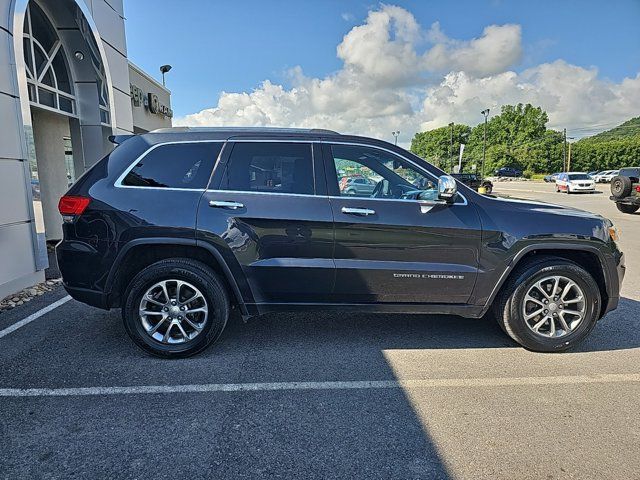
(191, 299)
(566, 290)
(552, 326)
(529, 298)
(196, 310)
(167, 298)
(537, 326)
(193, 325)
(541, 288)
(563, 323)
(167, 334)
(573, 300)
(181, 328)
(149, 299)
(154, 329)
(531, 315)
(572, 312)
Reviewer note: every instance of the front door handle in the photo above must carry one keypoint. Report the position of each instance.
(224, 204)
(358, 211)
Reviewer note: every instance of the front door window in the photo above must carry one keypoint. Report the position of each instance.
(373, 173)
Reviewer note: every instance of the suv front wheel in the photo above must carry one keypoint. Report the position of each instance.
(175, 308)
(550, 305)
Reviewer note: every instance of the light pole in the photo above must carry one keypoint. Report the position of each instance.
(451, 149)
(484, 142)
(164, 69)
(395, 136)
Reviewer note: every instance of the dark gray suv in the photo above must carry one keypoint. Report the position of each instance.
(178, 226)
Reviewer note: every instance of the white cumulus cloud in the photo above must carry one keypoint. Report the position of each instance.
(397, 75)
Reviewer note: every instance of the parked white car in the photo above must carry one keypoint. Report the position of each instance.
(572, 182)
(598, 176)
(609, 176)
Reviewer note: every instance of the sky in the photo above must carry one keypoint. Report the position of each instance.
(372, 68)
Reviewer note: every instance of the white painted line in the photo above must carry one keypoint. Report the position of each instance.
(34, 316)
(349, 385)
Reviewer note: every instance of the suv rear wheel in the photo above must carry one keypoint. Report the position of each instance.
(551, 305)
(175, 308)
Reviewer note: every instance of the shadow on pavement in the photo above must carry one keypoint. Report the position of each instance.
(618, 330)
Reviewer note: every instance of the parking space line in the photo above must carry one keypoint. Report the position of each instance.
(346, 385)
(33, 316)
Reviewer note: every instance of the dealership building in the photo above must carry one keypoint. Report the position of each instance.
(66, 85)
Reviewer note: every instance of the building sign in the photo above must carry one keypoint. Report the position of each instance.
(149, 101)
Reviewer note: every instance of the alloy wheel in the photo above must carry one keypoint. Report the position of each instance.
(173, 311)
(554, 306)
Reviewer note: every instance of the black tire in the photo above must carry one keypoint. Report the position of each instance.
(507, 306)
(197, 274)
(621, 186)
(488, 189)
(627, 208)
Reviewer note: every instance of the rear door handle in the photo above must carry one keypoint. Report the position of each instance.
(358, 211)
(224, 204)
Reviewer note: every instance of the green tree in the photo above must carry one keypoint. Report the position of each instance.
(435, 145)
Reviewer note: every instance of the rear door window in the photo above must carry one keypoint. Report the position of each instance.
(175, 165)
(277, 167)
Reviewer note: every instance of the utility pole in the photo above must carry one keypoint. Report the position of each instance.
(569, 155)
(564, 151)
(484, 142)
(451, 149)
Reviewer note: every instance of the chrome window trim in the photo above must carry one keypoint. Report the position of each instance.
(119, 180)
(254, 192)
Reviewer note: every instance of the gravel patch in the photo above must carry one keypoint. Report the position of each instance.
(26, 295)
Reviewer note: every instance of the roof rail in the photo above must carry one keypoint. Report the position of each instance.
(244, 129)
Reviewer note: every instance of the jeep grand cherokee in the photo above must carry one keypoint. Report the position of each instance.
(177, 226)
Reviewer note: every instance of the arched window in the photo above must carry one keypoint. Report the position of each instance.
(48, 79)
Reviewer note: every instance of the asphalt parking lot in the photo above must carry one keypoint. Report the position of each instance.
(325, 395)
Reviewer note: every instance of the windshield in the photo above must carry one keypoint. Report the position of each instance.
(579, 176)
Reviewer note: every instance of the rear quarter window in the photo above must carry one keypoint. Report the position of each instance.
(175, 165)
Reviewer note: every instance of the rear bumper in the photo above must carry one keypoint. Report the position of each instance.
(93, 298)
(626, 200)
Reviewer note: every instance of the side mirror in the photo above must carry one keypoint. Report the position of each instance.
(447, 188)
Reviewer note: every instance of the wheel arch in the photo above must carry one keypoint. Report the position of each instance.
(140, 253)
(588, 257)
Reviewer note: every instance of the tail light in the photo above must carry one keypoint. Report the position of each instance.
(637, 188)
(70, 206)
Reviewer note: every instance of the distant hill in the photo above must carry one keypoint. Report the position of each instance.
(628, 130)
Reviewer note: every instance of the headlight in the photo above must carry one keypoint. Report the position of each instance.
(614, 233)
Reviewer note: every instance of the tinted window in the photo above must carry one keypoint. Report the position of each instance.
(178, 165)
(579, 176)
(270, 167)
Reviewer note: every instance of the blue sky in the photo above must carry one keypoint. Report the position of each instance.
(234, 46)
